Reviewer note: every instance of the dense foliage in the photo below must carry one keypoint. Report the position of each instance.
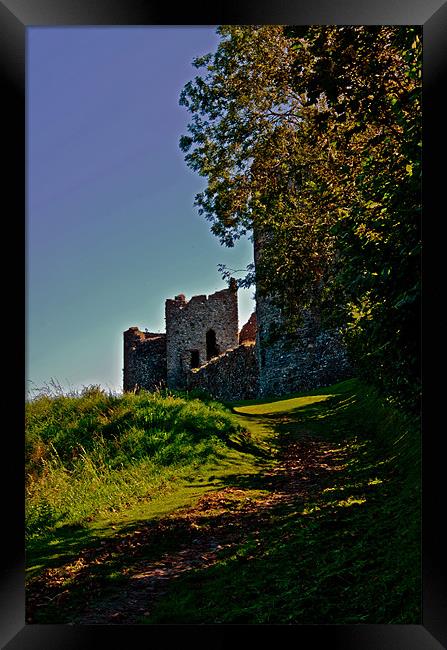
(310, 137)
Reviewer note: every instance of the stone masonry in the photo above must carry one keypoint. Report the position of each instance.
(248, 332)
(233, 375)
(198, 330)
(203, 349)
(304, 359)
(144, 360)
(291, 361)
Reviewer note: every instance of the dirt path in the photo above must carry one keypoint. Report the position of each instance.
(220, 521)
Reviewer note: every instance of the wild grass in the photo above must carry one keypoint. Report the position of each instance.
(95, 452)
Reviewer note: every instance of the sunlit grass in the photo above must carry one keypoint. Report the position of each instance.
(281, 406)
(95, 454)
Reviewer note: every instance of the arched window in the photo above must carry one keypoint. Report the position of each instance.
(212, 349)
(195, 359)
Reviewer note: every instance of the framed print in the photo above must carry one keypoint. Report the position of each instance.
(19, 21)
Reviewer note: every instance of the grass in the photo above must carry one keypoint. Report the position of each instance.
(96, 453)
(348, 554)
(98, 464)
(346, 550)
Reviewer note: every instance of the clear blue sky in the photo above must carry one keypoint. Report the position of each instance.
(111, 226)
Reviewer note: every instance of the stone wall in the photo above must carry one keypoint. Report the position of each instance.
(191, 325)
(230, 376)
(304, 359)
(203, 349)
(144, 360)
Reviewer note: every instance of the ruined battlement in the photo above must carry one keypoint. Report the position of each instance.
(197, 331)
(180, 302)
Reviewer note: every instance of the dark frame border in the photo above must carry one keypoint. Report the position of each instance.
(15, 17)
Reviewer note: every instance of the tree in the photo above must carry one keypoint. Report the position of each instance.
(311, 136)
(374, 97)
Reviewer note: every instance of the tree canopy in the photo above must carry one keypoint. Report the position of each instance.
(312, 136)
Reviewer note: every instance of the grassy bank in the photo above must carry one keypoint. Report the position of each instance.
(93, 454)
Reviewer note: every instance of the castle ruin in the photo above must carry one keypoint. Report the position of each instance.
(204, 349)
(198, 332)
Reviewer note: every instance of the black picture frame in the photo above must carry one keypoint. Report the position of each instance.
(15, 17)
